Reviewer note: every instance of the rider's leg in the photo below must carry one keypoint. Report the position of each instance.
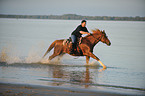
(74, 38)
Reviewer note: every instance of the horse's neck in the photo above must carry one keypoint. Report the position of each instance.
(92, 39)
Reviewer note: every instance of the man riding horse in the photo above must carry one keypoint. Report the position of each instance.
(87, 44)
(77, 33)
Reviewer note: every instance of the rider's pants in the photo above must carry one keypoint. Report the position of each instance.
(74, 39)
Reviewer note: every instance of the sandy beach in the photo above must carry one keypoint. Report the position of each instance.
(7, 89)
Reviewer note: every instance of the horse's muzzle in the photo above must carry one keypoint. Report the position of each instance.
(109, 44)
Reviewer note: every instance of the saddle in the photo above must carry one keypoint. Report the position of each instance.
(69, 41)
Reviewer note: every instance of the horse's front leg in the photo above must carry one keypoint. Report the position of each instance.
(95, 57)
(87, 59)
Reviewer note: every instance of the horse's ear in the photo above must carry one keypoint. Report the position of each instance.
(93, 31)
(96, 30)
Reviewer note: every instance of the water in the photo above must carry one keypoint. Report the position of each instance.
(24, 41)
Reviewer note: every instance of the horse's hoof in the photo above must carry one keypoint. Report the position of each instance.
(104, 67)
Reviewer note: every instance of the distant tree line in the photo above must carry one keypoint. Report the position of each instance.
(74, 17)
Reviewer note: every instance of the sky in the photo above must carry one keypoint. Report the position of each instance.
(80, 7)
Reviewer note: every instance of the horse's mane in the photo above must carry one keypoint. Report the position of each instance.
(96, 31)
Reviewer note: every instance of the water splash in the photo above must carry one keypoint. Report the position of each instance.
(10, 55)
(3, 55)
(94, 63)
(32, 57)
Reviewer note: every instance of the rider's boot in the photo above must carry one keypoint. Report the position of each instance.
(72, 48)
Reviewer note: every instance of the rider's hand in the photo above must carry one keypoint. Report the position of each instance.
(89, 33)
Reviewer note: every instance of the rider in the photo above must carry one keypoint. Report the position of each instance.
(77, 33)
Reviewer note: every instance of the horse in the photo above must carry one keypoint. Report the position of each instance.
(84, 49)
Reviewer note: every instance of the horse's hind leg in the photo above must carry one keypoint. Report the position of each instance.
(60, 56)
(52, 56)
(57, 51)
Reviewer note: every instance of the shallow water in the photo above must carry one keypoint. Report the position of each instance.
(24, 41)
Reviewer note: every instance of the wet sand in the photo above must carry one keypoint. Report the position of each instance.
(7, 89)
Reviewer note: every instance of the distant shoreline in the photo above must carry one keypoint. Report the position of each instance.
(73, 17)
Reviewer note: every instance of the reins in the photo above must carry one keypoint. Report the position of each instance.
(97, 38)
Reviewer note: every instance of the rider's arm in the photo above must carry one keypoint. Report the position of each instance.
(82, 32)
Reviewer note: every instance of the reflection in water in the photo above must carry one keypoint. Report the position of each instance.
(74, 76)
(57, 73)
(87, 77)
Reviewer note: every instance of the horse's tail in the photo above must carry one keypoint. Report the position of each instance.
(49, 49)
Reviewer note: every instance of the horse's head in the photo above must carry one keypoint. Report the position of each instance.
(102, 36)
(105, 39)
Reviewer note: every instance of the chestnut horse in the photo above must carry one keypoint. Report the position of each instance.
(84, 49)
